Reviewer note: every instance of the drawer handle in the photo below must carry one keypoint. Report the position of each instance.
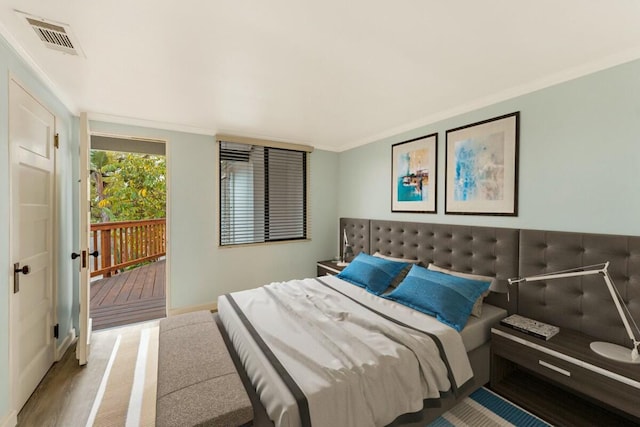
(554, 368)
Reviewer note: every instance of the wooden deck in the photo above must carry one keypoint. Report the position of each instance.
(133, 296)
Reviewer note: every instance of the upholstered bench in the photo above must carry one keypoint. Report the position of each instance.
(197, 381)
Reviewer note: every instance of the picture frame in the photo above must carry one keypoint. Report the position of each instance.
(414, 175)
(482, 167)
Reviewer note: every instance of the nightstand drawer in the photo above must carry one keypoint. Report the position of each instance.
(324, 271)
(534, 360)
(328, 268)
(597, 383)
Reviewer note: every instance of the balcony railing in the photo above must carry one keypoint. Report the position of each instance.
(126, 243)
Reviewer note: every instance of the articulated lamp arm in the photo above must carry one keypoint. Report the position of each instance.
(617, 300)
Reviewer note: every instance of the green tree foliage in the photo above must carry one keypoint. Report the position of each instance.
(127, 186)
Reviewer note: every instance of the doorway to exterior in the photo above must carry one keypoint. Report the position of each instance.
(128, 231)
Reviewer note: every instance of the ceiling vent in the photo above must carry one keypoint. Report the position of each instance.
(54, 35)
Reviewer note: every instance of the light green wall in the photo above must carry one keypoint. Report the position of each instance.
(11, 65)
(199, 270)
(579, 170)
(579, 159)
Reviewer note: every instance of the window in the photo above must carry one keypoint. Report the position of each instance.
(263, 193)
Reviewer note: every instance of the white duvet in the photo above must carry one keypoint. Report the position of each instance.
(355, 367)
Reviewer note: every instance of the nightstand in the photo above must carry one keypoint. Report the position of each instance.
(329, 268)
(562, 380)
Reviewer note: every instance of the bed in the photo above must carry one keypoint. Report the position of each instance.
(322, 369)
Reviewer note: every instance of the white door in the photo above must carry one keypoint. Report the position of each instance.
(84, 341)
(31, 151)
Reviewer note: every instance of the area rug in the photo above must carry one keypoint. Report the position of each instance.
(484, 408)
(127, 392)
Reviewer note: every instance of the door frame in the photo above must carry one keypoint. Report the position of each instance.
(13, 385)
(84, 279)
(167, 143)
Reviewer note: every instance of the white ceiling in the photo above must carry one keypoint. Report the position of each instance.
(331, 73)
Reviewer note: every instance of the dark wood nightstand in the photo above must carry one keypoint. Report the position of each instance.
(562, 380)
(329, 268)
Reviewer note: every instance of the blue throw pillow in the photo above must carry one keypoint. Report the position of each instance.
(372, 273)
(448, 298)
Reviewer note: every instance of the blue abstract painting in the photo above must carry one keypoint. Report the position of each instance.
(479, 168)
(413, 175)
(412, 178)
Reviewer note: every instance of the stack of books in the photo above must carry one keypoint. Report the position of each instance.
(530, 326)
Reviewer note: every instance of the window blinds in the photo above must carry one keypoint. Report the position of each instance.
(262, 194)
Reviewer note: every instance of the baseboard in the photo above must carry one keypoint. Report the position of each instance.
(11, 420)
(212, 306)
(65, 344)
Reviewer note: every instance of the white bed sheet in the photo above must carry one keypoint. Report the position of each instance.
(275, 396)
(477, 331)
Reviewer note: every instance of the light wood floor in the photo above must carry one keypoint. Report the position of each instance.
(65, 396)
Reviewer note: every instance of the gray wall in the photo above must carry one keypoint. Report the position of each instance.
(66, 156)
(579, 159)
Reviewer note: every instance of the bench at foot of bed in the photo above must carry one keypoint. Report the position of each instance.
(197, 381)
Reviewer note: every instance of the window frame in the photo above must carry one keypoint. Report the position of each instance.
(305, 149)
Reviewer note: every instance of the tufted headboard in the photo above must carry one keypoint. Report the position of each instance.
(357, 234)
(480, 250)
(583, 303)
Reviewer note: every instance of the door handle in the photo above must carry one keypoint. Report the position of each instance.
(16, 275)
(75, 255)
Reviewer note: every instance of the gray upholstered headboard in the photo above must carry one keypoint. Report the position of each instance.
(357, 234)
(582, 304)
(481, 250)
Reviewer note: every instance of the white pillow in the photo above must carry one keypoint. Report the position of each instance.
(390, 258)
(493, 286)
(400, 277)
(477, 306)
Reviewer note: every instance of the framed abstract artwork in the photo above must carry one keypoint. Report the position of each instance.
(482, 167)
(413, 175)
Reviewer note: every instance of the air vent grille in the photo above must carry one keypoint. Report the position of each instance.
(54, 35)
